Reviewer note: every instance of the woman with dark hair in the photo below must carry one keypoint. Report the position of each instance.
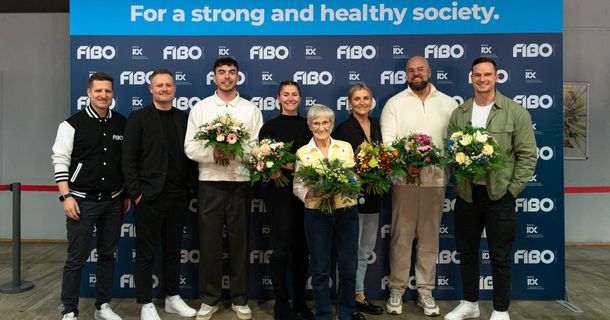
(286, 211)
(359, 127)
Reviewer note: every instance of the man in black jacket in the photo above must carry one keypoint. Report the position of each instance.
(156, 175)
(86, 160)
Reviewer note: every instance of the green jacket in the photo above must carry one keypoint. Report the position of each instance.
(511, 125)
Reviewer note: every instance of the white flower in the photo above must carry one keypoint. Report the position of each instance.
(488, 150)
(269, 164)
(481, 137)
(220, 138)
(466, 140)
(456, 135)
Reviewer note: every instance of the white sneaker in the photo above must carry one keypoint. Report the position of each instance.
(499, 315)
(149, 312)
(105, 313)
(69, 316)
(175, 304)
(394, 304)
(242, 312)
(206, 311)
(427, 303)
(464, 310)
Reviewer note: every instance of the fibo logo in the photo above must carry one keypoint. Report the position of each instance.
(545, 153)
(534, 256)
(185, 103)
(182, 53)
(135, 77)
(313, 77)
(356, 52)
(209, 78)
(486, 283)
(92, 256)
(265, 103)
(83, 102)
(257, 206)
(393, 77)
(260, 256)
(127, 281)
(372, 258)
(502, 76)
(342, 103)
(444, 51)
(448, 205)
(447, 257)
(534, 205)
(269, 52)
(95, 52)
(128, 230)
(533, 101)
(458, 99)
(385, 230)
(532, 50)
(191, 256)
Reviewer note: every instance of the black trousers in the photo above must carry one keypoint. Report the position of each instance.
(500, 221)
(288, 241)
(159, 219)
(107, 217)
(223, 203)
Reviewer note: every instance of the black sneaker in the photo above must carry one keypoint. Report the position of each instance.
(368, 307)
(303, 310)
(358, 316)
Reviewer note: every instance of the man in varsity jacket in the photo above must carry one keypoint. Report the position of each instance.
(87, 163)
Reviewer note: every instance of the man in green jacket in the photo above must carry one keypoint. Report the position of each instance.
(490, 204)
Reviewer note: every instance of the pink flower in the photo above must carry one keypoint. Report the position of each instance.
(260, 166)
(232, 138)
(265, 149)
(427, 159)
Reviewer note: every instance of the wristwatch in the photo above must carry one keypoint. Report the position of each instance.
(64, 197)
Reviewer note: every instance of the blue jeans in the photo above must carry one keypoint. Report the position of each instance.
(107, 217)
(323, 231)
(367, 237)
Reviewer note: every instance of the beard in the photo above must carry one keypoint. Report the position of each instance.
(418, 87)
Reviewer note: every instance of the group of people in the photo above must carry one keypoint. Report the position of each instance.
(104, 164)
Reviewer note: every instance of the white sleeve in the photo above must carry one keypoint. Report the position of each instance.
(194, 149)
(298, 187)
(388, 123)
(62, 151)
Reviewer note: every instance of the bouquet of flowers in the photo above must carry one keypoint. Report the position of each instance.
(417, 150)
(266, 159)
(226, 134)
(328, 178)
(373, 166)
(472, 153)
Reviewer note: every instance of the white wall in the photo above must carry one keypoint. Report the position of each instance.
(34, 88)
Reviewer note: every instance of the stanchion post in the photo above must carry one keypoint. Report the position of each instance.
(16, 285)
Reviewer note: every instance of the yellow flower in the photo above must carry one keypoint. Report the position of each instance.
(456, 135)
(373, 163)
(480, 137)
(488, 150)
(460, 157)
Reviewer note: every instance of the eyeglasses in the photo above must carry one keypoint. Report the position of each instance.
(324, 124)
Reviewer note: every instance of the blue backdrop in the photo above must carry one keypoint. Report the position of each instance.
(327, 47)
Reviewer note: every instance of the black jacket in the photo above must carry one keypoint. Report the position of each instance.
(351, 131)
(145, 157)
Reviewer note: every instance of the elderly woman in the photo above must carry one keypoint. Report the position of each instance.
(359, 127)
(322, 230)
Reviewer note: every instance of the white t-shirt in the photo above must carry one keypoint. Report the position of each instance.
(480, 115)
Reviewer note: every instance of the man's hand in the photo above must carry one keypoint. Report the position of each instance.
(276, 175)
(413, 170)
(289, 166)
(138, 199)
(71, 208)
(126, 205)
(219, 154)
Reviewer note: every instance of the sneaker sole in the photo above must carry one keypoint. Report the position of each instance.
(393, 310)
(185, 315)
(430, 312)
(473, 316)
(208, 317)
(242, 316)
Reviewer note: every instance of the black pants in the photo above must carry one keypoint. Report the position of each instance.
(287, 241)
(107, 217)
(159, 219)
(499, 220)
(223, 203)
